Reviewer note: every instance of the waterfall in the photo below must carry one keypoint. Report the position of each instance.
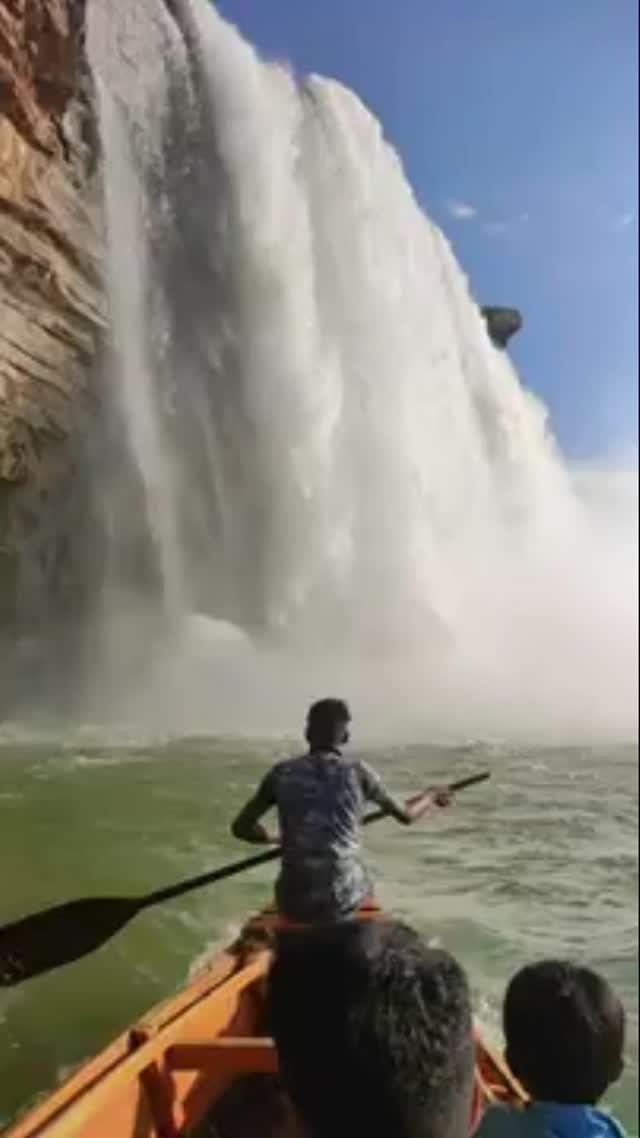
(331, 455)
(129, 283)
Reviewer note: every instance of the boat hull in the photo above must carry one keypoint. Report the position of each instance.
(201, 1063)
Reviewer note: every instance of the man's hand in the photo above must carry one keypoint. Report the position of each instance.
(435, 798)
(441, 796)
(254, 832)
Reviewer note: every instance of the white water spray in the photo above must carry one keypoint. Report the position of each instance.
(346, 469)
(128, 283)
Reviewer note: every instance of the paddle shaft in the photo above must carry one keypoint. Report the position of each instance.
(55, 937)
(237, 867)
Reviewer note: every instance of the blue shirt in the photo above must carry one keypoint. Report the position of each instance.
(321, 799)
(548, 1120)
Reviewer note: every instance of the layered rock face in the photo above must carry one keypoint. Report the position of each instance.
(51, 303)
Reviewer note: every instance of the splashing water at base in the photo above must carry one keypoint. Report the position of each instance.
(334, 459)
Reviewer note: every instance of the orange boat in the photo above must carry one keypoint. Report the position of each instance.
(201, 1064)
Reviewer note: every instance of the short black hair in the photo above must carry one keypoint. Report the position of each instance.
(324, 720)
(564, 1029)
(374, 1032)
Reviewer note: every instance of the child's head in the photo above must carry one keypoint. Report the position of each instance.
(564, 1029)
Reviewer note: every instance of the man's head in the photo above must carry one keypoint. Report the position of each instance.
(328, 724)
(373, 1031)
(564, 1029)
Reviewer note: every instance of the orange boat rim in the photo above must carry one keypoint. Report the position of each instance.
(202, 1064)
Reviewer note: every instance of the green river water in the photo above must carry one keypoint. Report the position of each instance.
(540, 861)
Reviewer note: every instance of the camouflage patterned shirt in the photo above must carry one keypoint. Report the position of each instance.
(321, 799)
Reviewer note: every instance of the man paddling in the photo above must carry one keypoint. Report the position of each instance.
(320, 798)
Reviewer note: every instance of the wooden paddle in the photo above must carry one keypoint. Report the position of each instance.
(53, 937)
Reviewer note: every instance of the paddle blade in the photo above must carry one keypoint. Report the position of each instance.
(49, 939)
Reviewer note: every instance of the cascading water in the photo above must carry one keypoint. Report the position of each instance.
(333, 457)
(128, 281)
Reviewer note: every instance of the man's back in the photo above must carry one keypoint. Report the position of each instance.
(320, 799)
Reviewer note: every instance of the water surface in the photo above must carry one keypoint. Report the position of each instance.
(540, 861)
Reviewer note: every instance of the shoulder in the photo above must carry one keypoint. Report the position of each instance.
(504, 1122)
(608, 1125)
(289, 769)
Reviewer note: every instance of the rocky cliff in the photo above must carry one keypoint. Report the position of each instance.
(51, 310)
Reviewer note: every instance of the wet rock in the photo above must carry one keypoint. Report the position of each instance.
(502, 324)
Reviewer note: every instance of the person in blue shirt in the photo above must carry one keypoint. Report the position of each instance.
(564, 1029)
(321, 798)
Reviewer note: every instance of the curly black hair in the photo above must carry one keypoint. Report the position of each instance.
(373, 1030)
(326, 721)
(564, 1029)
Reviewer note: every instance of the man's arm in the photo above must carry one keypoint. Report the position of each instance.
(409, 812)
(247, 826)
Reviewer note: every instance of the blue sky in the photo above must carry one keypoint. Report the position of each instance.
(517, 122)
